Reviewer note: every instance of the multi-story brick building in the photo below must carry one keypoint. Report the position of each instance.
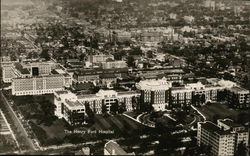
(241, 132)
(93, 75)
(40, 85)
(155, 92)
(151, 37)
(238, 97)
(96, 102)
(121, 36)
(181, 96)
(23, 69)
(114, 64)
(192, 93)
(221, 142)
(223, 139)
(34, 78)
(8, 72)
(100, 58)
(73, 112)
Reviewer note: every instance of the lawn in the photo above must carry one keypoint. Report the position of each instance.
(119, 123)
(120, 126)
(7, 144)
(50, 130)
(220, 110)
(56, 129)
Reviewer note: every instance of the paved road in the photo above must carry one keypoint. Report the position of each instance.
(18, 123)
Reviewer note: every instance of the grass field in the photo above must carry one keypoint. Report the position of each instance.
(7, 144)
(220, 110)
(120, 126)
(50, 130)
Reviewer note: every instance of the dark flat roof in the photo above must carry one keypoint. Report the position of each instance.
(230, 123)
(107, 76)
(21, 69)
(211, 127)
(100, 71)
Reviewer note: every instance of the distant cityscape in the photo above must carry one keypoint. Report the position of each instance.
(125, 77)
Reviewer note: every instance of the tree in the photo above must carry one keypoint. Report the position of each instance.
(89, 111)
(147, 107)
(245, 81)
(202, 150)
(242, 118)
(221, 95)
(48, 110)
(196, 99)
(150, 54)
(241, 149)
(127, 43)
(131, 61)
(45, 54)
(122, 107)
(104, 109)
(228, 76)
(215, 118)
(30, 55)
(203, 98)
(90, 114)
(114, 107)
(119, 55)
(135, 51)
(82, 57)
(181, 115)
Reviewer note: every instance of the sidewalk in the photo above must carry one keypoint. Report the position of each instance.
(203, 116)
(137, 120)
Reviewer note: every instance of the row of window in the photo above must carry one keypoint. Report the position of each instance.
(33, 92)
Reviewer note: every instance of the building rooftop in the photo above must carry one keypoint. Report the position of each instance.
(73, 103)
(86, 96)
(161, 84)
(103, 93)
(45, 76)
(127, 93)
(230, 123)
(62, 92)
(100, 71)
(60, 71)
(113, 147)
(105, 76)
(226, 83)
(76, 63)
(211, 127)
(20, 68)
(84, 86)
(239, 89)
(179, 88)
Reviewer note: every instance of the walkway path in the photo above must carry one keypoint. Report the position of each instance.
(137, 120)
(203, 116)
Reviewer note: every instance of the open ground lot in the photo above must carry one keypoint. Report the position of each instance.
(220, 110)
